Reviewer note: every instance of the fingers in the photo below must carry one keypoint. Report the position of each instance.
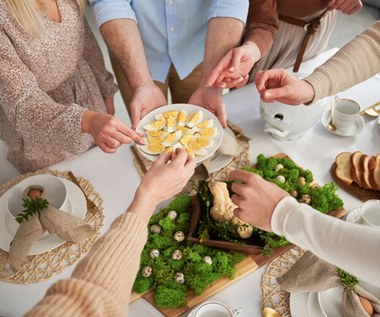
(163, 159)
(180, 157)
(135, 117)
(218, 69)
(236, 199)
(243, 176)
(107, 149)
(128, 134)
(236, 58)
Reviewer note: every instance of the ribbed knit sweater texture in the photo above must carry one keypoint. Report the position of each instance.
(101, 283)
(357, 61)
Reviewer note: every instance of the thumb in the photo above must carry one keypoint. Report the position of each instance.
(135, 117)
(236, 58)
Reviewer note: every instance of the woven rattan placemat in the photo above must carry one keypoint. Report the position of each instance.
(238, 161)
(272, 293)
(43, 266)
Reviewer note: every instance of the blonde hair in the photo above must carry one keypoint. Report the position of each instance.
(27, 13)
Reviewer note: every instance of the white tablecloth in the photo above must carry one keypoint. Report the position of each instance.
(115, 178)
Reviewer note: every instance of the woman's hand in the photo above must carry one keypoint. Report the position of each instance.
(108, 131)
(166, 177)
(277, 84)
(346, 6)
(256, 198)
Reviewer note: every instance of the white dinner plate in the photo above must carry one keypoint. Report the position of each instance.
(305, 305)
(207, 115)
(76, 206)
(330, 300)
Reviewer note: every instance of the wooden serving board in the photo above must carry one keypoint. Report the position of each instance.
(354, 189)
(250, 264)
(245, 267)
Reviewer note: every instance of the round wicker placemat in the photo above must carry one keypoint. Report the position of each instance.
(272, 293)
(238, 161)
(43, 266)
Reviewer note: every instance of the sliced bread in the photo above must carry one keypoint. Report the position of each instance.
(355, 167)
(374, 175)
(364, 171)
(343, 168)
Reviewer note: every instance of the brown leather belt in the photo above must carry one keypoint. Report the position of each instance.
(310, 27)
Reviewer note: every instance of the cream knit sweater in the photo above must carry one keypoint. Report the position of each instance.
(102, 282)
(357, 61)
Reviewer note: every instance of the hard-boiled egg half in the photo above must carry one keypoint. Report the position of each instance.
(194, 118)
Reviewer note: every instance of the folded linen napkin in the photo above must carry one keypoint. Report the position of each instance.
(311, 273)
(66, 226)
(229, 148)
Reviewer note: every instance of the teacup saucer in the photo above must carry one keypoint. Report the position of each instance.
(356, 129)
(355, 216)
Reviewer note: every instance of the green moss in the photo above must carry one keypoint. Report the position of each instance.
(143, 284)
(166, 297)
(198, 274)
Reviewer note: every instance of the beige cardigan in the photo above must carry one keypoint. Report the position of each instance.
(357, 61)
(101, 283)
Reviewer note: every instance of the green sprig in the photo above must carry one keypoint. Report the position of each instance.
(31, 207)
(348, 280)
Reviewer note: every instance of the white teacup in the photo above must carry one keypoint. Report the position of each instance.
(370, 212)
(345, 112)
(214, 309)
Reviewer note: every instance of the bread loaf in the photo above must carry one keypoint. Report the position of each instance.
(359, 168)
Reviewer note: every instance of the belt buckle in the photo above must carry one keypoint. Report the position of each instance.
(306, 26)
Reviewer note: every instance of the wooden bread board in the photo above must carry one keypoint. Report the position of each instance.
(250, 264)
(354, 189)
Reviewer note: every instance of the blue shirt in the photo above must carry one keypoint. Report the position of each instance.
(173, 31)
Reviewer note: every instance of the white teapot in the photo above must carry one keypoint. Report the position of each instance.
(286, 122)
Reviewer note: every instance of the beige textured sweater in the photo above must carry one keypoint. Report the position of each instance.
(355, 62)
(101, 283)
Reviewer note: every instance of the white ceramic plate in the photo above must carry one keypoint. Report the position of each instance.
(351, 131)
(76, 206)
(207, 115)
(330, 300)
(305, 305)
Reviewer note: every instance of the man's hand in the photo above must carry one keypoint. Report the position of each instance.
(211, 99)
(108, 131)
(233, 69)
(277, 84)
(145, 98)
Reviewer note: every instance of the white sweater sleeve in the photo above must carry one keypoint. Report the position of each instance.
(352, 247)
